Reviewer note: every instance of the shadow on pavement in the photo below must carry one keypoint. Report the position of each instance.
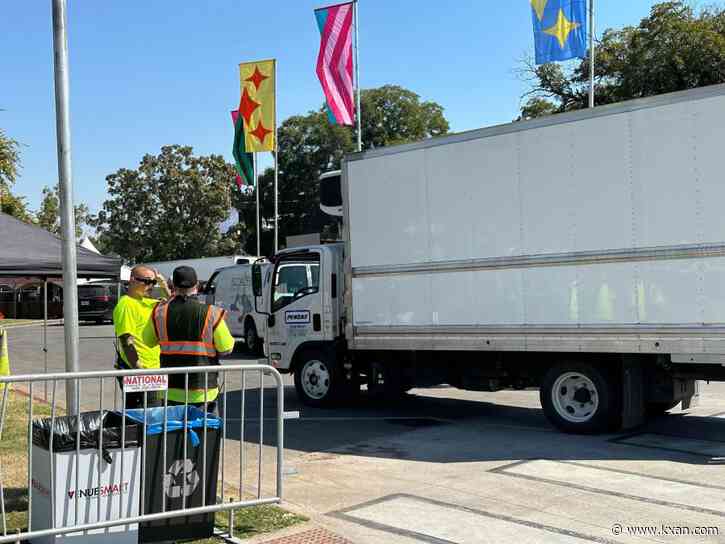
(446, 430)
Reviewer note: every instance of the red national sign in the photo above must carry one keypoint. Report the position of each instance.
(151, 382)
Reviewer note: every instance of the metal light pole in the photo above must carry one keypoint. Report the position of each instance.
(67, 218)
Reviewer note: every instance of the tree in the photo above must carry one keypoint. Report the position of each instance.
(9, 161)
(310, 145)
(673, 49)
(15, 206)
(48, 216)
(394, 115)
(9, 166)
(170, 207)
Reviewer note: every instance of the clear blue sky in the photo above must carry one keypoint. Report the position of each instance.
(146, 74)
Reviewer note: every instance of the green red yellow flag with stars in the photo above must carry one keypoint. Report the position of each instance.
(257, 105)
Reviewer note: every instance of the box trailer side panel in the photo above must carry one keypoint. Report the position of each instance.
(586, 232)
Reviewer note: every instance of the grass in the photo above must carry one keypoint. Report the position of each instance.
(253, 521)
(248, 522)
(13, 459)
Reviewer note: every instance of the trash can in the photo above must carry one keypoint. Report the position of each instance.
(113, 495)
(166, 483)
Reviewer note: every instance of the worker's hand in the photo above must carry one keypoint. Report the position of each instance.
(161, 282)
(160, 279)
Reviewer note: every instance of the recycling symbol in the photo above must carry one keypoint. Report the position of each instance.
(174, 486)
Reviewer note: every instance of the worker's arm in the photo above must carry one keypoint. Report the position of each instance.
(124, 328)
(223, 339)
(126, 342)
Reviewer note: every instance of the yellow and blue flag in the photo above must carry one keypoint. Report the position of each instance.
(560, 29)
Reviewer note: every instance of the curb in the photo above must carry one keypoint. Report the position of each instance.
(34, 323)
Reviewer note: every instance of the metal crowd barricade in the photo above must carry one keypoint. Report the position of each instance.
(75, 380)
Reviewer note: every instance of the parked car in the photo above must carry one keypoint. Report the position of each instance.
(30, 301)
(96, 301)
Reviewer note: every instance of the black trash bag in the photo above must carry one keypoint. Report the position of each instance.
(65, 432)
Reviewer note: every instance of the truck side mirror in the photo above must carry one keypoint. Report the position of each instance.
(257, 280)
(271, 321)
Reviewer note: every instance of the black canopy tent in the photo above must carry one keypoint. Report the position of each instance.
(27, 250)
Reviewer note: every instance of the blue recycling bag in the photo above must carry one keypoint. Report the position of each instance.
(153, 419)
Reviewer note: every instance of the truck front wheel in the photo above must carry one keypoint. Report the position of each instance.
(579, 398)
(318, 379)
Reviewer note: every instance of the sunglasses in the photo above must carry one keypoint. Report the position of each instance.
(146, 281)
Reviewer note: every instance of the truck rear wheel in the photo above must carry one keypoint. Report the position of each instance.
(579, 398)
(318, 379)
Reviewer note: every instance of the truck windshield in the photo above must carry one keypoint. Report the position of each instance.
(294, 280)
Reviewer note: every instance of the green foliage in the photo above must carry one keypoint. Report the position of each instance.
(536, 107)
(9, 161)
(170, 207)
(9, 166)
(394, 115)
(673, 49)
(48, 216)
(15, 206)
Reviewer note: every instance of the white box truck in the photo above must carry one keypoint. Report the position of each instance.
(582, 253)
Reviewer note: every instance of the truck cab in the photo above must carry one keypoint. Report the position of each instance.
(303, 303)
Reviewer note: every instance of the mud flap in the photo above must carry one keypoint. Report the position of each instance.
(633, 394)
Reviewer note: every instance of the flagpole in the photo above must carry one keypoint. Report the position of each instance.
(591, 53)
(357, 78)
(276, 199)
(276, 169)
(256, 193)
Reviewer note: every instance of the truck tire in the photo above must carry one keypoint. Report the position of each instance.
(580, 398)
(251, 338)
(318, 378)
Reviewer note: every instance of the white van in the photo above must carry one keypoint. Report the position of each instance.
(230, 288)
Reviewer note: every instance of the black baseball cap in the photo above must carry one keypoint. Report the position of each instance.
(184, 277)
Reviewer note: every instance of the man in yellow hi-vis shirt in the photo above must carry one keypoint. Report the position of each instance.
(130, 316)
(189, 334)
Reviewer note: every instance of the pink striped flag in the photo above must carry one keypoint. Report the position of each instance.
(334, 61)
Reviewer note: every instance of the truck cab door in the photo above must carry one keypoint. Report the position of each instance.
(296, 305)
